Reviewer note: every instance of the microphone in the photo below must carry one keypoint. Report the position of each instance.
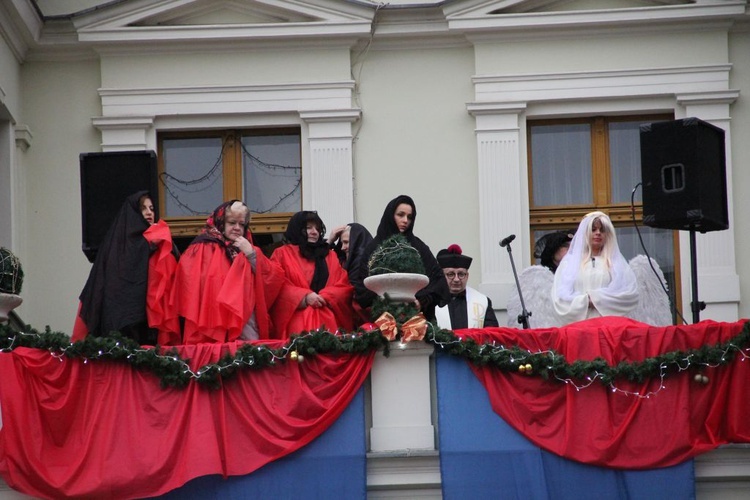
(506, 241)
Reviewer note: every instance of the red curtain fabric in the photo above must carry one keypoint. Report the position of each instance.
(103, 429)
(595, 425)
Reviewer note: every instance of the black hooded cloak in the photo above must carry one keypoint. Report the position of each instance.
(114, 297)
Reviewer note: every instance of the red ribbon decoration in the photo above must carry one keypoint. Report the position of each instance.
(414, 329)
(387, 324)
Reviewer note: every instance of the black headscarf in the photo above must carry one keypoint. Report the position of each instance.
(114, 297)
(436, 293)
(388, 227)
(546, 247)
(213, 231)
(359, 238)
(296, 234)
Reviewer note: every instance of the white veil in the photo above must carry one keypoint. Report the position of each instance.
(617, 298)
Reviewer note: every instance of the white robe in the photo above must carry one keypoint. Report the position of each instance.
(593, 282)
(476, 307)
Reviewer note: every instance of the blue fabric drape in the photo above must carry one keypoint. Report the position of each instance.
(332, 466)
(483, 457)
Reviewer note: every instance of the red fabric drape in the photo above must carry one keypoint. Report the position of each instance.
(338, 312)
(217, 297)
(598, 426)
(103, 429)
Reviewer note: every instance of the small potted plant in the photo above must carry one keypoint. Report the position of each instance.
(395, 270)
(11, 280)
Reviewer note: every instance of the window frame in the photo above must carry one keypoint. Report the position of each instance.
(232, 170)
(552, 217)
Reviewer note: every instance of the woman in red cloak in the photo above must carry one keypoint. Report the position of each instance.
(224, 284)
(317, 293)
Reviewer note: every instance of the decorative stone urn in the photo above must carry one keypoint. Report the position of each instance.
(400, 287)
(11, 280)
(8, 302)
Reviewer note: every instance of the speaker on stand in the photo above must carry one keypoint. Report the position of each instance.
(683, 171)
(106, 180)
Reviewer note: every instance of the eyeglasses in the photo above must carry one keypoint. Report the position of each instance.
(460, 275)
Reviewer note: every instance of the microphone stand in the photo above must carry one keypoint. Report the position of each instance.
(523, 318)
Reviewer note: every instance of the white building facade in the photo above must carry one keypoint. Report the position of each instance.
(437, 100)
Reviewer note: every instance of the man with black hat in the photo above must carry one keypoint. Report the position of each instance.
(468, 308)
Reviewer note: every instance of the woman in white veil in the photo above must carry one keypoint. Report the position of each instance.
(594, 279)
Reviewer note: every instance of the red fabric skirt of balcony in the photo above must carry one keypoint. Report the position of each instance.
(103, 429)
(601, 426)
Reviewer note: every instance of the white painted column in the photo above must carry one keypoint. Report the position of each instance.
(327, 176)
(401, 407)
(503, 204)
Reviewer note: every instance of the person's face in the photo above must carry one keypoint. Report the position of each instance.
(345, 240)
(312, 231)
(560, 253)
(597, 237)
(403, 217)
(147, 209)
(457, 278)
(234, 225)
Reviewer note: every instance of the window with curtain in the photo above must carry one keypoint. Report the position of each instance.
(580, 165)
(199, 170)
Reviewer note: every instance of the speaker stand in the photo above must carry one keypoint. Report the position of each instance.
(696, 306)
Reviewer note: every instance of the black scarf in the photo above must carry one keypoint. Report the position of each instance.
(296, 234)
(388, 227)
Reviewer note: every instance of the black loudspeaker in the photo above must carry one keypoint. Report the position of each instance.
(106, 180)
(683, 169)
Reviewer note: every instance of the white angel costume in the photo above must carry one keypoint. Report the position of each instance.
(614, 286)
(589, 286)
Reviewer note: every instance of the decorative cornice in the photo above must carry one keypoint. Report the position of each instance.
(597, 84)
(495, 108)
(123, 122)
(331, 116)
(615, 74)
(163, 21)
(717, 97)
(153, 34)
(20, 26)
(144, 11)
(23, 137)
(485, 18)
(111, 92)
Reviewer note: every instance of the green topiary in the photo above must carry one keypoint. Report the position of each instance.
(11, 273)
(395, 255)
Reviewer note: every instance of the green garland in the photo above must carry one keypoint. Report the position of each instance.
(173, 371)
(550, 365)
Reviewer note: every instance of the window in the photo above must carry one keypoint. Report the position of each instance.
(200, 170)
(580, 165)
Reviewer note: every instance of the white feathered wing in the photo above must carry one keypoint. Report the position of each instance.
(653, 302)
(536, 288)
